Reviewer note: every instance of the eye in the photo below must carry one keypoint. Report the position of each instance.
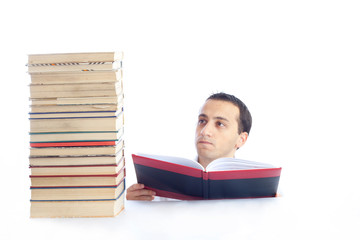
(220, 124)
(201, 122)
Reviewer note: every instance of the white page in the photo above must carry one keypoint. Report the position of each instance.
(223, 164)
(176, 160)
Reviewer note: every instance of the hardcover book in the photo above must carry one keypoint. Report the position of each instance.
(75, 100)
(76, 77)
(75, 90)
(78, 180)
(38, 109)
(77, 160)
(224, 178)
(76, 151)
(75, 136)
(76, 124)
(77, 208)
(72, 170)
(112, 142)
(74, 114)
(77, 192)
(84, 57)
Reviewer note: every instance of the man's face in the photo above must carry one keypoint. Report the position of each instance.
(217, 130)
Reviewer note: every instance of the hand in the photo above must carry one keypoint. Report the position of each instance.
(138, 192)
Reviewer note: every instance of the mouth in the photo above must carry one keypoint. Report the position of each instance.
(204, 142)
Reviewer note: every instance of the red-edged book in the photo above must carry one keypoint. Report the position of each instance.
(74, 143)
(224, 178)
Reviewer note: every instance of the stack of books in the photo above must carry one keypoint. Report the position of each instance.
(76, 135)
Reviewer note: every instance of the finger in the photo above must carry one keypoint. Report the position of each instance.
(141, 192)
(145, 198)
(136, 186)
(145, 192)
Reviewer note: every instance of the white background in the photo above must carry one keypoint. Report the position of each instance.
(294, 63)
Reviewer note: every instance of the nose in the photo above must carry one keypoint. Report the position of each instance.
(206, 130)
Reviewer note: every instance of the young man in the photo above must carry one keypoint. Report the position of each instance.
(224, 125)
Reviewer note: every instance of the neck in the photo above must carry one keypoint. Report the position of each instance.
(204, 161)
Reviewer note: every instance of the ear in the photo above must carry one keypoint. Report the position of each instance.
(241, 139)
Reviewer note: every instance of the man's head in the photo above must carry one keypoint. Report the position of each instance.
(244, 120)
(223, 126)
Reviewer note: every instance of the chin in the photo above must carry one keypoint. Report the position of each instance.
(206, 155)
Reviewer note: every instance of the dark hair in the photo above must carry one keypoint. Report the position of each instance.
(245, 120)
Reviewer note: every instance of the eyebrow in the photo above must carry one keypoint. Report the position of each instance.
(218, 117)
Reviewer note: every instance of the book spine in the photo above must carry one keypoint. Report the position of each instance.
(205, 177)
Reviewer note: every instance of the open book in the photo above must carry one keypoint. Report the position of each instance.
(224, 178)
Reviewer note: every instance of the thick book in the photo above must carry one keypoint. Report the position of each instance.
(73, 170)
(83, 57)
(112, 142)
(76, 77)
(91, 66)
(75, 136)
(77, 192)
(75, 90)
(76, 151)
(77, 160)
(77, 208)
(76, 124)
(78, 180)
(78, 107)
(224, 178)
(76, 100)
(74, 114)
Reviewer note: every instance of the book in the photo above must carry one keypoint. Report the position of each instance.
(76, 77)
(77, 208)
(76, 108)
(224, 178)
(76, 124)
(77, 192)
(78, 180)
(83, 57)
(76, 170)
(72, 114)
(75, 90)
(76, 160)
(73, 87)
(75, 143)
(40, 137)
(76, 151)
(89, 66)
(75, 100)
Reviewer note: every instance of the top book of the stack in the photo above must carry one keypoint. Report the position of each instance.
(64, 62)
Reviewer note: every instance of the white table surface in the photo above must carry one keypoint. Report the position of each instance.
(290, 216)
